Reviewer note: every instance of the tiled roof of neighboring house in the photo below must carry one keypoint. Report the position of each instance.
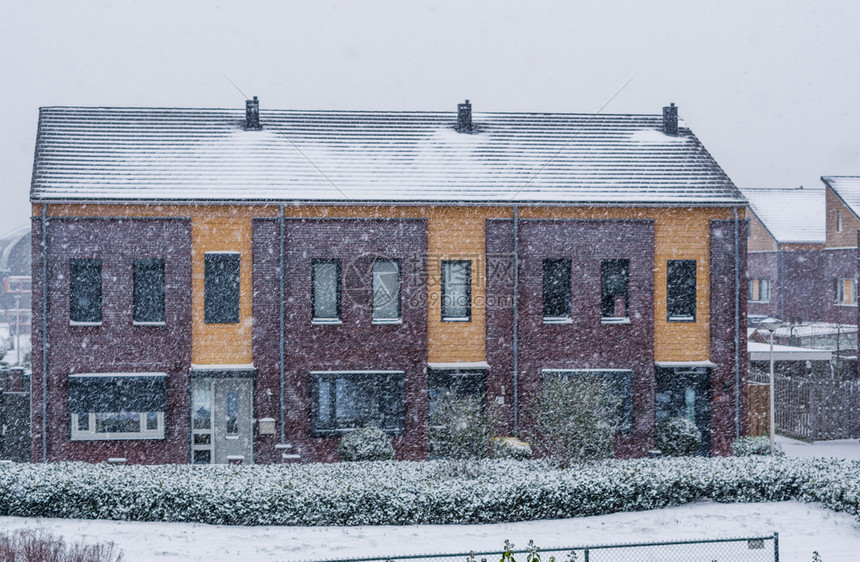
(791, 215)
(847, 188)
(144, 155)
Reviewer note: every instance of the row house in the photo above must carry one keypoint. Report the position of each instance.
(802, 262)
(214, 285)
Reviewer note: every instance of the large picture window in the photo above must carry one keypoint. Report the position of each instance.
(556, 290)
(117, 406)
(614, 298)
(681, 290)
(342, 401)
(618, 382)
(148, 291)
(85, 291)
(221, 288)
(456, 291)
(386, 291)
(326, 290)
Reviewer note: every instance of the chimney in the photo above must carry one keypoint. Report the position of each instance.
(252, 115)
(464, 117)
(670, 119)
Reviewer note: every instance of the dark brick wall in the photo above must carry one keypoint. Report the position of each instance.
(117, 345)
(356, 344)
(586, 343)
(724, 337)
(500, 318)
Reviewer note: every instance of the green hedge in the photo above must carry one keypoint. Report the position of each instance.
(397, 493)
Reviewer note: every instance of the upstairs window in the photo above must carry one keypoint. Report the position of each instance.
(759, 290)
(456, 291)
(386, 291)
(614, 282)
(846, 292)
(221, 288)
(85, 291)
(556, 290)
(838, 221)
(148, 292)
(681, 290)
(326, 291)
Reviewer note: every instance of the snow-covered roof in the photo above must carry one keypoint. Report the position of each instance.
(761, 352)
(847, 188)
(791, 215)
(133, 154)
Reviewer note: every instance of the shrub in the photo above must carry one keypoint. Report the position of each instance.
(39, 546)
(510, 448)
(575, 420)
(677, 437)
(748, 446)
(461, 428)
(365, 444)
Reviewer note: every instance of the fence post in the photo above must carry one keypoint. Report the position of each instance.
(586, 555)
(776, 547)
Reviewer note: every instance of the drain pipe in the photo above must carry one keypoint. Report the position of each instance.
(44, 333)
(516, 320)
(282, 406)
(737, 328)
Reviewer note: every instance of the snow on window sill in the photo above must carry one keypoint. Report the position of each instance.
(849, 305)
(614, 320)
(382, 321)
(231, 437)
(557, 320)
(149, 323)
(326, 322)
(758, 302)
(77, 323)
(456, 319)
(682, 319)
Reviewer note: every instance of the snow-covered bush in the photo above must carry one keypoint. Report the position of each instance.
(574, 420)
(461, 428)
(677, 437)
(510, 448)
(403, 493)
(747, 446)
(365, 444)
(40, 546)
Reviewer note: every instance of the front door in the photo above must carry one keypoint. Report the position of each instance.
(221, 420)
(686, 393)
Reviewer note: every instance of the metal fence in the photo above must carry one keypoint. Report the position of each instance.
(747, 549)
(817, 409)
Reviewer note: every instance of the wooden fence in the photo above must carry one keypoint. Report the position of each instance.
(808, 409)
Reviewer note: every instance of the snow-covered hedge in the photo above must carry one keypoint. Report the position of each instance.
(747, 446)
(390, 493)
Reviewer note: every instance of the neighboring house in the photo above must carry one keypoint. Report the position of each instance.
(246, 286)
(15, 279)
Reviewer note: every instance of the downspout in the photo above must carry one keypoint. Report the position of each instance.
(44, 333)
(516, 320)
(281, 320)
(737, 328)
(781, 277)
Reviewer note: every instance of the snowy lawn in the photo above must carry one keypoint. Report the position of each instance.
(802, 527)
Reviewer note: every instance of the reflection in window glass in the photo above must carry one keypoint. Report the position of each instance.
(232, 413)
(386, 290)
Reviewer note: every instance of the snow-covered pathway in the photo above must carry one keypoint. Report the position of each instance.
(802, 528)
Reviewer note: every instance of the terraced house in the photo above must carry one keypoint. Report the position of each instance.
(214, 285)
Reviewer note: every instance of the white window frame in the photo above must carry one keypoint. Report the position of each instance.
(840, 292)
(838, 220)
(90, 433)
(756, 290)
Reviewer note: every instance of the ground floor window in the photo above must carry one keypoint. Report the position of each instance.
(344, 400)
(617, 381)
(106, 406)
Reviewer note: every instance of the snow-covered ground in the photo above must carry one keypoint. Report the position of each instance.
(803, 528)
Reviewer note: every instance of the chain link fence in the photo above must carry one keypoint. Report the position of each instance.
(742, 549)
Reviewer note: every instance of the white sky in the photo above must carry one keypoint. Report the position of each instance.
(771, 88)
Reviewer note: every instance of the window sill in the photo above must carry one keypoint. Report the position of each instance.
(758, 302)
(384, 322)
(454, 319)
(689, 319)
(117, 436)
(326, 322)
(231, 437)
(852, 305)
(149, 323)
(85, 324)
(557, 320)
(612, 320)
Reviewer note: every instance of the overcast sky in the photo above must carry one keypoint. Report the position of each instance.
(771, 88)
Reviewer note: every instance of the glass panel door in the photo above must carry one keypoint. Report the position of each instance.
(221, 421)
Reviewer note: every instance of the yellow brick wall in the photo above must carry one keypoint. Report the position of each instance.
(760, 239)
(848, 237)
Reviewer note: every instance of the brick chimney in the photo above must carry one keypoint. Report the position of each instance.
(252, 115)
(670, 119)
(464, 117)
